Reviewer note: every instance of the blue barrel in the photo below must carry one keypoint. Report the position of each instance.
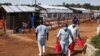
(19, 29)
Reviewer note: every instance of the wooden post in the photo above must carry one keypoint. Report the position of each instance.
(13, 24)
(4, 24)
(67, 18)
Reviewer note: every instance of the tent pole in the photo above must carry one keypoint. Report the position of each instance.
(13, 24)
(4, 25)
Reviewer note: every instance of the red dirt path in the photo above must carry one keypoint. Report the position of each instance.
(13, 46)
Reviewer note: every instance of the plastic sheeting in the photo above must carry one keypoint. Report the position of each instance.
(14, 9)
(82, 9)
(56, 9)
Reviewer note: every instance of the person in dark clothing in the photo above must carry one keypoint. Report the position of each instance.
(75, 20)
(98, 19)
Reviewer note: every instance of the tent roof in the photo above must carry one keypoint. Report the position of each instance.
(7, 9)
(30, 8)
(53, 7)
(14, 9)
(56, 9)
(82, 9)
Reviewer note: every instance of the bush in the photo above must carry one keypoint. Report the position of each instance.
(96, 41)
(97, 53)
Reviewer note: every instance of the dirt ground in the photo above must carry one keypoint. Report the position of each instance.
(24, 44)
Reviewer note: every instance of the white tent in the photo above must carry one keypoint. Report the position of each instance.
(56, 9)
(96, 13)
(14, 9)
(82, 9)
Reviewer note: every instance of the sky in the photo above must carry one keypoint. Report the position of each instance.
(51, 2)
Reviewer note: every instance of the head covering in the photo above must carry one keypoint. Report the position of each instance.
(65, 25)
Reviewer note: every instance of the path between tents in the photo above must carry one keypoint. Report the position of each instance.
(26, 45)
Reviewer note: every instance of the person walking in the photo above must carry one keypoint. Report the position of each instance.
(41, 36)
(75, 33)
(32, 21)
(98, 19)
(75, 20)
(63, 37)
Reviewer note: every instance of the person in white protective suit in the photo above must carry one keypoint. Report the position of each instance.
(63, 37)
(75, 33)
(41, 36)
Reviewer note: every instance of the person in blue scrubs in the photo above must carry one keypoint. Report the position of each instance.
(32, 21)
(63, 36)
(41, 36)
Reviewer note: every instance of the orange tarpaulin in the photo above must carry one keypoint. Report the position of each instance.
(2, 24)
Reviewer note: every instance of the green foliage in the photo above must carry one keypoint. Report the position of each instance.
(97, 53)
(86, 5)
(96, 41)
(5, 4)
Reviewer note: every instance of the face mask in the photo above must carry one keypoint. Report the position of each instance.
(65, 28)
(74, 26)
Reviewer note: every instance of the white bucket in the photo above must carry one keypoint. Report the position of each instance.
(98, 30)
(98, 21)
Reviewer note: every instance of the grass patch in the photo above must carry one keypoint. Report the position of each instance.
(97, 53)
(96, 41)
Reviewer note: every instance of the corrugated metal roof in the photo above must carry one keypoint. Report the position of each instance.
(14, 9)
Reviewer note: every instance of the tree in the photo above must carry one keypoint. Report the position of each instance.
(87, 5)
(66, 5)
(5, 4)
(72, 5)
(78, 5)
